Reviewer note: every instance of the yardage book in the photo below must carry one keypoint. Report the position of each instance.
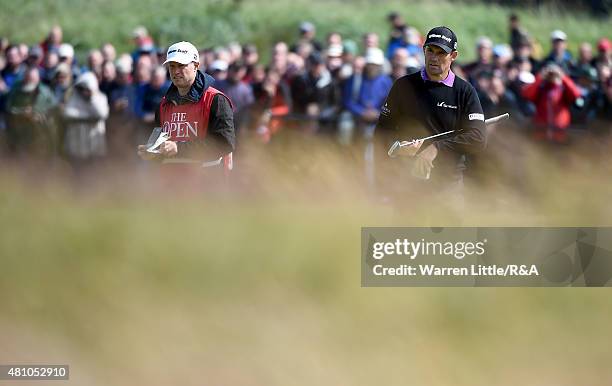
(156, 138)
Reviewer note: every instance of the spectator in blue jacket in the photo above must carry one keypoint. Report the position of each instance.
(239, 92)
(365, 106)
(559, 54)
(13, 71)
(397, 25)
(142, 78)
(410, 40)
(153, 93)
(122, 98)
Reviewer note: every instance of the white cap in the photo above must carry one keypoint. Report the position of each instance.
(124, 64)
(65, 50)
(123, 67)
(334, 50)
(526, 77)
(306, 26)
(140, 32)
(502, 51)
(484, 41)
(558, 35)
(219, 65)
(374, 56)
(183, 53)
(87, 80)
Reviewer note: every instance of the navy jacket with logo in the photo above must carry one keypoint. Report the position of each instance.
(417, 108)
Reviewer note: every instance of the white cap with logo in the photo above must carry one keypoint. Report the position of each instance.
(374, 56)
(65, 50)
(183, 53)
(219, 65)
(335, 50)
(558, 35)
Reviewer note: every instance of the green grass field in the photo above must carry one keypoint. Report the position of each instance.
(210, 23)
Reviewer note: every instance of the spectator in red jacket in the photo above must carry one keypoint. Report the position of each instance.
(553, 92)
(604, 48)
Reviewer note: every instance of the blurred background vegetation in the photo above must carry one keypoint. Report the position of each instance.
(88, 24)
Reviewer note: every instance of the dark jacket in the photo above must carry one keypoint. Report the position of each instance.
(24, 129)
(416, 108)
(307, 89)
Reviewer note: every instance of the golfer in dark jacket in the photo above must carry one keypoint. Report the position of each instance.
(434, 101)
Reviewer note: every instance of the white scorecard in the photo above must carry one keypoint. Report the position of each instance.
(156, 138)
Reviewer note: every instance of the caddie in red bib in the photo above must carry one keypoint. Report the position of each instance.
(196, 118)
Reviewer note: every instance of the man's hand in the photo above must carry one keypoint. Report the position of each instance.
(410, 150)
(121, 104)
(145, 155)
(429, 154)
(149, 117)
(370, 115)
(168, 149)
(313, 110)
(423, 162)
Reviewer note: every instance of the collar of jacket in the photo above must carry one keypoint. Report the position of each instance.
(199, 86)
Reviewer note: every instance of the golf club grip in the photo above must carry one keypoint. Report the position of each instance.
(496, 119)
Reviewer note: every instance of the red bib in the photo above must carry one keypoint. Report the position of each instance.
(187, 122)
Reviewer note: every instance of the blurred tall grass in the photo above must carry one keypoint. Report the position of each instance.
(88, 24)
(134, 282)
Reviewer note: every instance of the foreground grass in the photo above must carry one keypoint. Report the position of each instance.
(130, 285)
(208, 23)
(226, 294)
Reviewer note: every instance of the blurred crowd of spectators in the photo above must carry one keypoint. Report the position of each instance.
(52, 105)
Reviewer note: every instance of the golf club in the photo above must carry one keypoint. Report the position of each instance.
(399, 144)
